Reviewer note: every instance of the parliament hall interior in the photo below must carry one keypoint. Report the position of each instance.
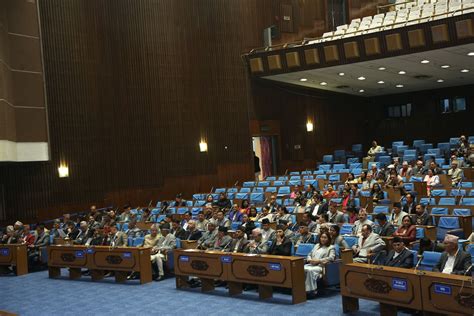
(174, 157)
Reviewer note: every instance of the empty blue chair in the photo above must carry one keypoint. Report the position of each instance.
(295, 178)
(439, 192)
(430, 259)
(312, 182)
(182, 210)
(447, 201)
(439, 211)
(467, 201)
(328, 158)
(231, 196)
(385, 160)
(306, 172)
(334, 177)
(291, 209)
(199, 203)
(420, 232)
(270, 178)
(352, 160)
(356, 171)
(365, 193)
(439, 161)
(340, 155)
(434, 152)
(381, 209)
(232, 190)
(425, 201)
(453, 142)
(399, 150)
(316, 172)
(409, 152)
(257, 197)
(294, 182)
(418, 142)
(346, 229)
(303, 250)
(220, 190)
(356, 165)
(448, 225)
(351, 240)
(457, 192)
(444, 148)
(409, 186)
(138, 241)
(338, 166)
(160, 218)
(324, 167)
(156, 211)
(172, 210)
(461, 212)
(467, 185)
(199, 196)
(424, 148)
(471, 193)
(245, 190)
(235, 225)
(416, 179)
(321, 176)
(271, 189)
(242, 196)
(357, 148)
(258, 190)
(195, 210)
(409, 158)
(397, 143)
(294, 173)
(284, 191)
(288, 202)
(249, 184)
(264, 183)
(308, 177)
(279, 183)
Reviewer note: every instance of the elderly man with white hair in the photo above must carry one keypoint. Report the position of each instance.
(405, 170)
(453, 260)
(257, 245)
(419, 170)
(456, 173)
(84, 234)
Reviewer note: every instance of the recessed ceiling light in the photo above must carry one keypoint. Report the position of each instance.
(440, 80)
(445, 66)
(361, 78)
(341, 74)
(381, 82)
(303, 79)
(402, 72)
(399, 86)
(425, 61)
(323, 83)
(361, 90)
(465, 70)
(470, 54)
(382, 68)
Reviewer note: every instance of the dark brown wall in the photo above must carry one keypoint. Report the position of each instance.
(132, 87)
(426, 122)
(339, 121)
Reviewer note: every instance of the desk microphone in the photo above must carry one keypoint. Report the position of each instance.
(420, 258)
(227, 245)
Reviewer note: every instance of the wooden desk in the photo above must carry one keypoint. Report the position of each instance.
(442, 293)
(14, 255)
(189, 244)
(264, 270)
(98, 259)
(392, 287)
(421, 189)
(430, 231)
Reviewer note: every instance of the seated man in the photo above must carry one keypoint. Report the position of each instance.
(178, 231)
(117, 238)
(303, 236)
(133, 231)
(239, 242)
(399, 256)
(201, 223)
(368, 183)
(71, 230)
(257, 245)
(193, 233)
(368, 246)
(335, 216)
(221, 220)
(288, 232)
(281, 245)
(208, 239)
(222, 241)
(456, 173)
(371, 154)
(385, 228)
(84, 234)
(268, 233)
(165, 243)
(34, 250)
(152, 238)
(57, 231)
(363, 220)
(421, 216)
(419, 170)
(453, 260)
(397, 214)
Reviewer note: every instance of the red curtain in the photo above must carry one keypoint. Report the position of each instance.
(266, 153)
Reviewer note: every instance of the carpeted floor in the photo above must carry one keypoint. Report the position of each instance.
(36, 294)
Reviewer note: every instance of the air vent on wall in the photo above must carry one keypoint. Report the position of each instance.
(422, 77)
(342, 87)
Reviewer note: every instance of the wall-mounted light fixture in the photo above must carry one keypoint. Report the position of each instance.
(63, 171)
(309, 126)
(203, 146)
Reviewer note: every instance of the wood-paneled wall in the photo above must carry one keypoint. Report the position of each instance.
(132, 87)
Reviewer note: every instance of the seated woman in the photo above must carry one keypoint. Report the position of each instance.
(407, 231)
(245, 207)
(337, 239)
(235, 215)
(283, 214)
(209, 201)
(321, 254)
(351, 179)
(281, 245)
(362, 177)
(330, 192)
(431, 179)
(376, 193)
(253, 213)
(294, 192)
(353, 214)
(309, 192)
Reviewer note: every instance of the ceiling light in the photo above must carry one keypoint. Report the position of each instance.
(445, 66)
(63, 171)
(399, 86)
(361, 90)
(309, 126)
(382, 68)
(402, 72)
(323, 83)
(341, 74)
(361, 78)
(465, 70)
(440, 80)
(470, 54)
(303, 79)
(381, 82)
(425, 61)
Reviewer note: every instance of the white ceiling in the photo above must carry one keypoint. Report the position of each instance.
(456, 57)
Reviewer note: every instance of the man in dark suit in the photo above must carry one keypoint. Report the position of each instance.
(178, 231)
(34, 250)
(238, 242)
(453, 260)
(386, 229)
(421, 216)
(410, 205)
(193, 233)
(399, 256)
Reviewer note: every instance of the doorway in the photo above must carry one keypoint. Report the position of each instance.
(266, 148)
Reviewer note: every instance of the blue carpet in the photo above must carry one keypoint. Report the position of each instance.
(36, 294)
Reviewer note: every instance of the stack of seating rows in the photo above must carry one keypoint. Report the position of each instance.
(406, 13)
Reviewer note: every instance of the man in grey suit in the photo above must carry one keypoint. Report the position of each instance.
(268, 233)
(239, 242)
(335, 216)
(368, 246)
(385, 228)
(117, 238)
(165, 243)
(257, 245)
(222, 241)
(34, 250)
(208, 239)
(453, 260)
(357, 229)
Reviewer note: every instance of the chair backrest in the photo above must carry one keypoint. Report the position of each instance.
(334, 177)
(327, 158)
(264, 183)
(271, 189)
(357, 147)
(294, 173)
(458, 192)
(219, 190)
(245, 190)
(235, 225)
(279, 183)
(430, 259)
(447, 201)
(381, 209)
(294, 182)
(439, 211)
(352, 160)
(272, 178)
(461, 212)
(346, 229)
(257, 197)
(304, 249)
(138, 241)
(425, 201)
(284, 190)
(242, 196)
(232, 190)
(467, 201)
(351, 240)
(439, 192)
(324, 167)
(420, 232)
(249, 184)
(258, 190)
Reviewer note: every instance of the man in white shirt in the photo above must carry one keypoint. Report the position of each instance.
(397, 214)
(453, 260)
(455, 173)
(268, 233)
(363, 220)
(369, 182)
(371, 154)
